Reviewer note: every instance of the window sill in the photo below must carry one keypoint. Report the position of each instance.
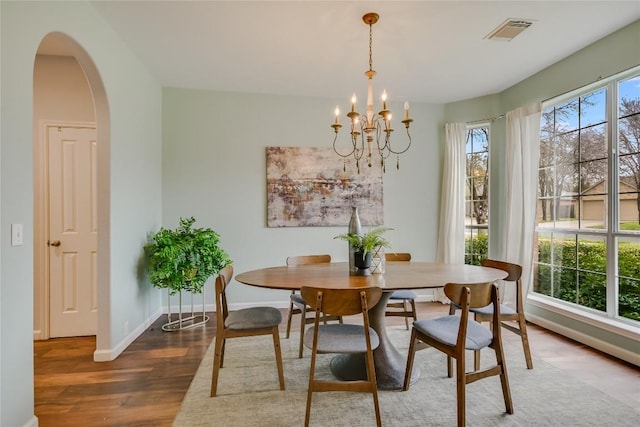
(598, 321)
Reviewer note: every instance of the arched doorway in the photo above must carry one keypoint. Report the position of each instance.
(60, 50)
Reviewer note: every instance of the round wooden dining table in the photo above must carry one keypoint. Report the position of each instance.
(390, 364)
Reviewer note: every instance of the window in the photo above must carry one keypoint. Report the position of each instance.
(477, 195)
(588, 212)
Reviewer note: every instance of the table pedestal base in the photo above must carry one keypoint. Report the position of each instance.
(390, 364)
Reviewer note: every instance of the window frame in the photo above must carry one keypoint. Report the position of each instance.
(474, 229)
(612, 234)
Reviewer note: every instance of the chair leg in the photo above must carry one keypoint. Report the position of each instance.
(504, 379)
(312, 371)
(278, 350)
(525, 341)
(406, 314)
(461, 382)
(289, 318)
(410, 357)
(476, 354)
(452, 309)
(414, 312)
(303, 323)
(217, 364)
(224, 342)
(476, 360)
(371, 376)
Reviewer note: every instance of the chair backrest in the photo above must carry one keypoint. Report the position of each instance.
(341, 302)
(514, 271)
(474, 294)
(397, 256)
(222, 281)
(308, 259)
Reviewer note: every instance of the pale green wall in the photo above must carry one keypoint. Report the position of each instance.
(214, 168)
(608, 56)
(131, 191)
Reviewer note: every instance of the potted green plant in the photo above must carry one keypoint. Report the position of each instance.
(365, 245)
(183, 259)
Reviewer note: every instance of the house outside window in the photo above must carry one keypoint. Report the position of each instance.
(477, 195)
(588, 210)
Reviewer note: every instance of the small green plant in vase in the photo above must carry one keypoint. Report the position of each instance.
(365, 245)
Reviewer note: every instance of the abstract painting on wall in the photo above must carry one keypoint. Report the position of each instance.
(307, 187)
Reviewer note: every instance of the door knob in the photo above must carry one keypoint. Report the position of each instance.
(55, 243)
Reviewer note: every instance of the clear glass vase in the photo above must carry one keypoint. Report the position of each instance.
(377, 260)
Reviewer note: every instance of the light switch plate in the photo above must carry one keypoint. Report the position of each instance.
(17, 238)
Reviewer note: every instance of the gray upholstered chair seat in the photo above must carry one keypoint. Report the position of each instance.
(488, 310)
(403, 295)
(341, 338)
(253, 317)
(445, 330)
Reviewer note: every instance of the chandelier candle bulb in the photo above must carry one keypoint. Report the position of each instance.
(337, 115)
(353, 102)
(384, 99)
(406, 110)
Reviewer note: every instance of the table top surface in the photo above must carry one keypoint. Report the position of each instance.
(397, 275)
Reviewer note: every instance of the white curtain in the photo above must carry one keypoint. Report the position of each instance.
(451, 230)
(522, 154)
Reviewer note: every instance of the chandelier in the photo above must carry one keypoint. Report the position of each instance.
(372, 126)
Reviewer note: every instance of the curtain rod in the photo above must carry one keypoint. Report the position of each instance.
(490, 119)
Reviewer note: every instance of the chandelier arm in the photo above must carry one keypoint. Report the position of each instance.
(335, 139)
(402, 151)
(358, 148)
(378, 126)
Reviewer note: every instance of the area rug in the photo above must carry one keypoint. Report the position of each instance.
(248, 393)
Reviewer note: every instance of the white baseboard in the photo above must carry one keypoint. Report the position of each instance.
(606, 347)
(33, 422)
(110, 354)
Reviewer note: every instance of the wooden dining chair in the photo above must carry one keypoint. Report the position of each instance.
(453, 335)
(342, 338)
(400, 300)
(245, 322)
(507, 313)
(297, 304)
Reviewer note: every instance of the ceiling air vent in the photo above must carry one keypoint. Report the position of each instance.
(509, 29)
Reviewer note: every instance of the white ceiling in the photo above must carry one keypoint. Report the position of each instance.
(427, 51)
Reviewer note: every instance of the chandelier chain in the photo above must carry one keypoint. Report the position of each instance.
(370, 47)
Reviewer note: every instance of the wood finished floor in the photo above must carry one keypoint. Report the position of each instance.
(145, 385)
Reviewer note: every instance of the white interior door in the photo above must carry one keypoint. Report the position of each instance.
(73, 300)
